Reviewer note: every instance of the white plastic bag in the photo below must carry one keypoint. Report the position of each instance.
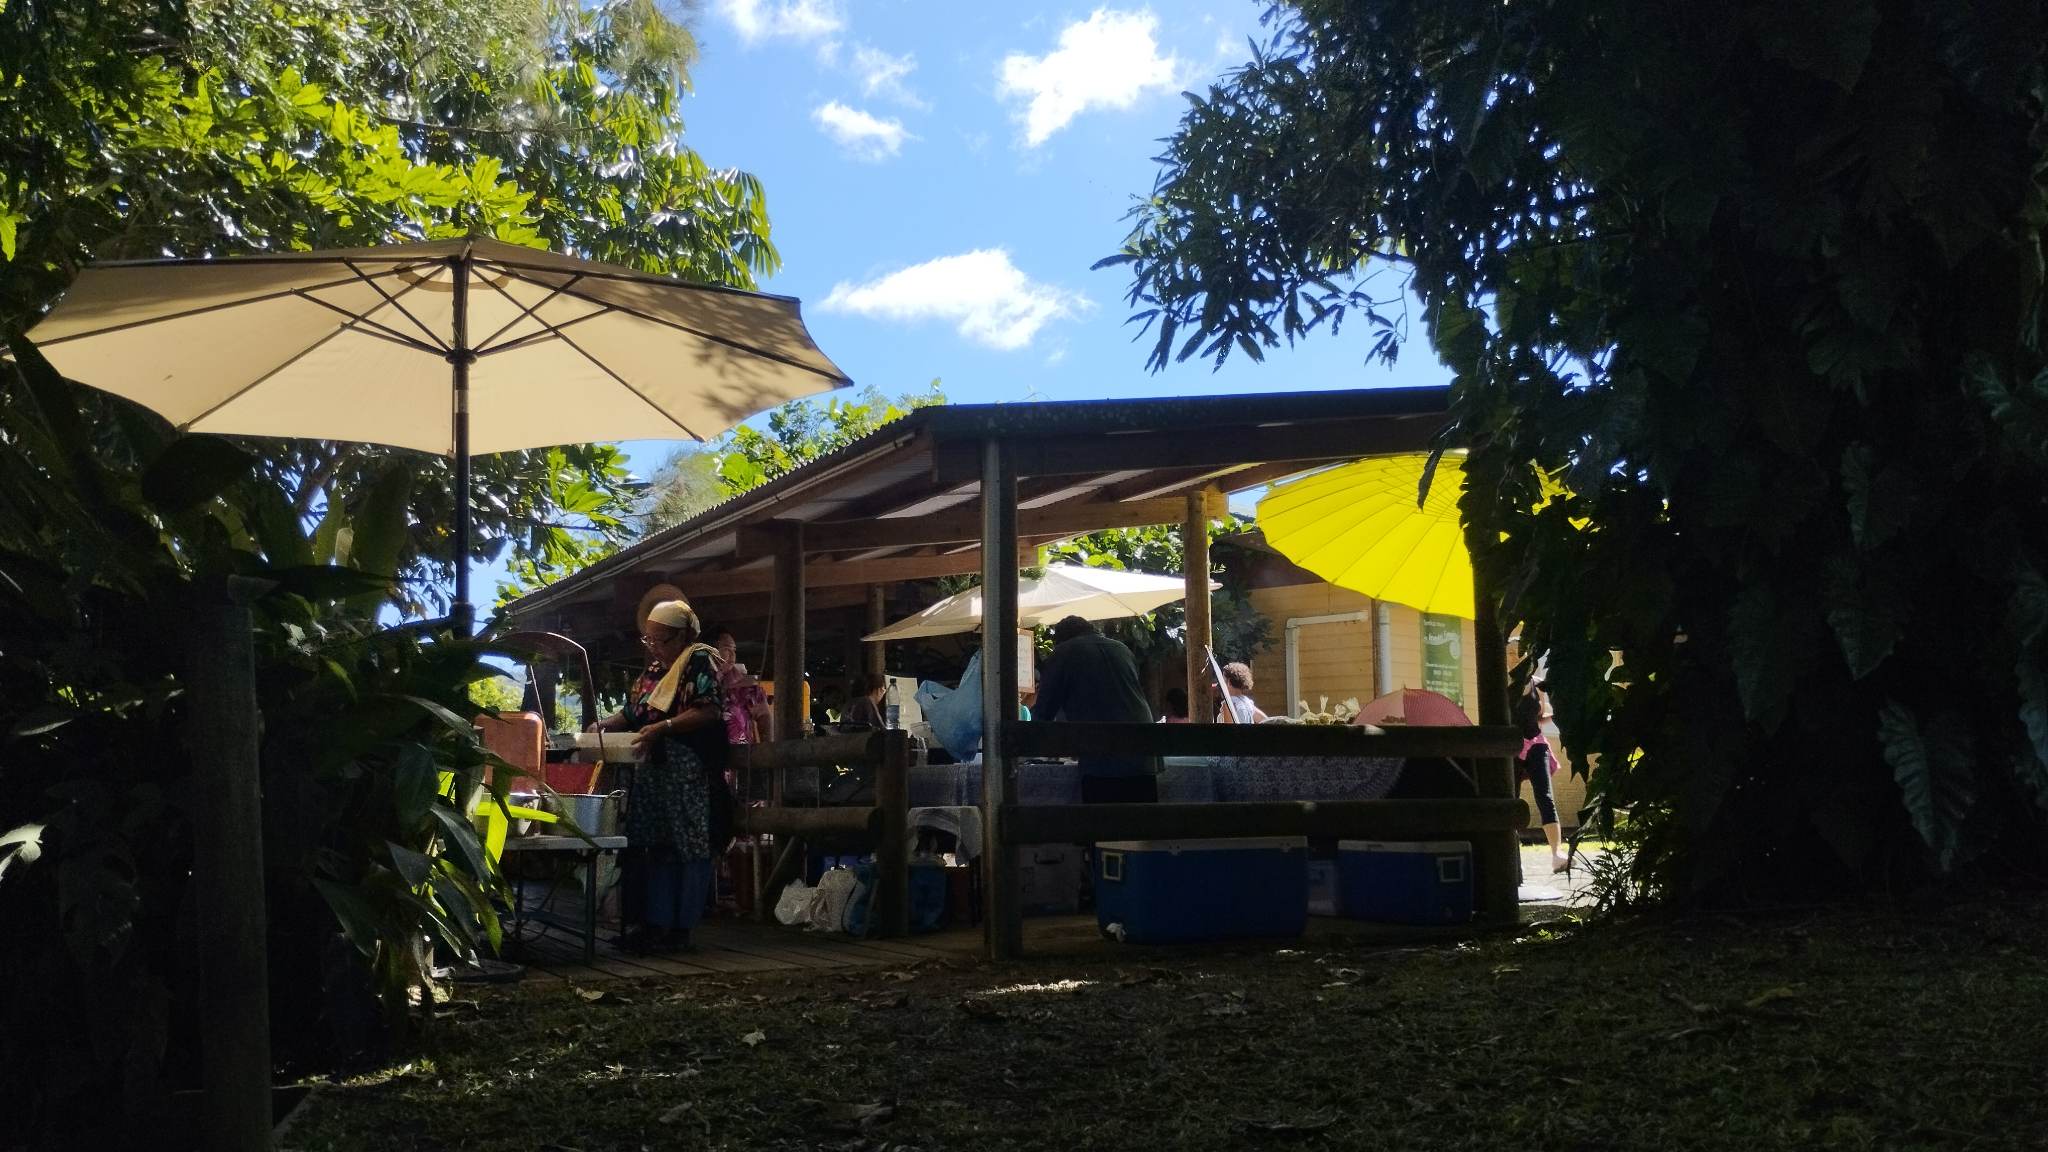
(794, 906)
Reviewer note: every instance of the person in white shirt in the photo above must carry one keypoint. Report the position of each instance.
(1236, 691)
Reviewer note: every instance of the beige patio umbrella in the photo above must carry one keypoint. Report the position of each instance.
(1063, 590)
(456, 347)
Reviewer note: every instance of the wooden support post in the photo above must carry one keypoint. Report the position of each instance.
(892, 842)
(789, 635)
(1194, 547)
(227, 872)
(1496, 856)
(877, 651)
(1001, 917)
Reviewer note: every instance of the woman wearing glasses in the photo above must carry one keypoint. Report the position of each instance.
(675, 710)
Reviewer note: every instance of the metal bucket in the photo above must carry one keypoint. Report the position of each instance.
(597, 814)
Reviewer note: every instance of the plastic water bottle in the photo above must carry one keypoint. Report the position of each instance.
(893, 707)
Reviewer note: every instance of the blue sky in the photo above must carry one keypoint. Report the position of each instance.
(942, 175)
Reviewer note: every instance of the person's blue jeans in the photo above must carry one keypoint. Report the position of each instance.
(676, 888)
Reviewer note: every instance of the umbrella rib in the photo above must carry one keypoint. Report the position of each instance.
(665, 322)
(439, 345)
(549, 332)
(606, 369)
(239, 302)
(369, 327)
(483, 345)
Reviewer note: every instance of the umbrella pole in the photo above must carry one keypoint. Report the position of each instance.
(460, 357)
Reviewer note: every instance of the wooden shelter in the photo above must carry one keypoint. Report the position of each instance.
(974, 489)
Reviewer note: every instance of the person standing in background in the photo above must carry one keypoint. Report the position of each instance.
(1090, 678)
(1536, 766)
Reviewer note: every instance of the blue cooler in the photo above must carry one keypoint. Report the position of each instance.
(1163, 891)
(1406, 882)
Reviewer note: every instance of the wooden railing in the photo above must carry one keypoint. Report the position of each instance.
(883, 826)
(1489, 820)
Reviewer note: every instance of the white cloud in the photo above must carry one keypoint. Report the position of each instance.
(881, 74)
(757, 20)
(863, 136)
(987, 298)
(1109, 60)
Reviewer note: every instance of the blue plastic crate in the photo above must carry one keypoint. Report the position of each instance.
(1406, 882)
(1164, 891)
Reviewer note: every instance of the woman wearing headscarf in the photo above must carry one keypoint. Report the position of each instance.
(676, 711)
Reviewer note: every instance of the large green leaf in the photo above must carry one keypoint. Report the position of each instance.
(1932, 765)
(192, 470)
(2032, 765)
(379, 518)
(415, 780)
(355, 913)
(1865, 617)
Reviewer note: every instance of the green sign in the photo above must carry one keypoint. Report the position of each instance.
(1443, 656)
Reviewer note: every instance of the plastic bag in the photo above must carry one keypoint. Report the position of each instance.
(794, 905)
(955, 714)
(834, 892)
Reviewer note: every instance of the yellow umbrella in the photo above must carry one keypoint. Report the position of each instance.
(1357, 526)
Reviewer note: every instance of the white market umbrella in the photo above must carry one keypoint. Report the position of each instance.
(455, 347)
(1064, 590)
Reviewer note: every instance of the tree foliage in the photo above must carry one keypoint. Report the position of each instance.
(802, 431)
(1761, 284)
(133, 129)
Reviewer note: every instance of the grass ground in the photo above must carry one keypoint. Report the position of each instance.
(1857, 1027)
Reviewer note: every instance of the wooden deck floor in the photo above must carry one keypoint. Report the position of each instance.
(726, 946)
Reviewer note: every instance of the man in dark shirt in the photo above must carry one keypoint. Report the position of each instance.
(1090, 678)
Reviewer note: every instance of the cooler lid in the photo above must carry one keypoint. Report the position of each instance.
(1429, 847)
(1267, 843)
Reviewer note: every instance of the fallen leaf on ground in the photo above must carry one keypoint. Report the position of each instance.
(754, 1039)
(980, 1009)
(855, 1116)
(1771, 996)
(1300, 1125)
(601, 996)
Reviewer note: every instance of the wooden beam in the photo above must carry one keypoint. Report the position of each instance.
(1338, 740)
(1194, 550)
(842, 573)
(964, 526)
(227, 871)
(1496, 859)
(892, 835)
(876, 653)
(810, 752)
(840, 824)
(1462, 819)
(726, 609)
(1333, 439)
(1001, 915)
(787, 577)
